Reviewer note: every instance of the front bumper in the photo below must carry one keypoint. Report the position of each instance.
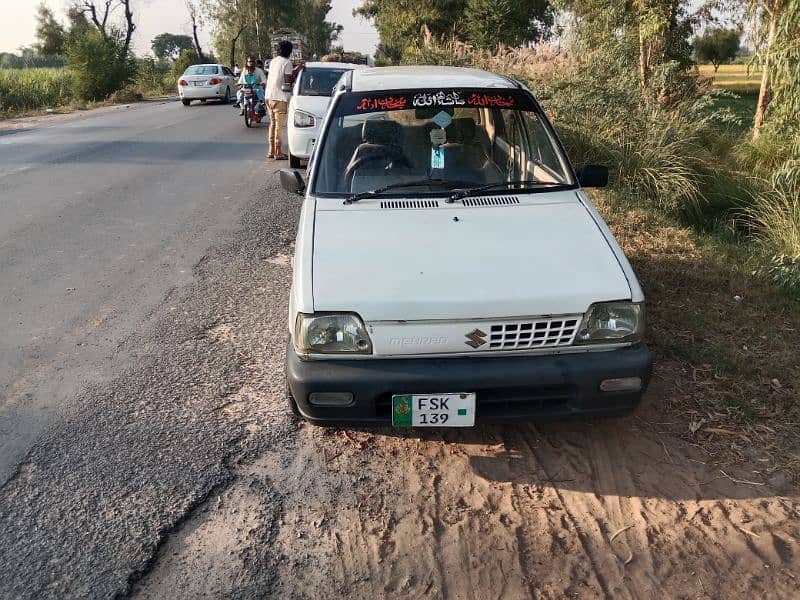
(507, 387)
(302, 139)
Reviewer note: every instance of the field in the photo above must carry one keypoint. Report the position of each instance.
(739, 79)
(31, 89)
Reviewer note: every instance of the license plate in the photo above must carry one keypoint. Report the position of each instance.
(199, 83)
(433, 410)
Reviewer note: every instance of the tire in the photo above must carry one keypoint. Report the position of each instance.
(294, 162)
(227, 99)
(186, 102)
(248, 117)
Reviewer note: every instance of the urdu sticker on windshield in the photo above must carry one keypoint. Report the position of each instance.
(447, 100)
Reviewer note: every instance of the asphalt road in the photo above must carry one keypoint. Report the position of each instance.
(116, 261)
(101, 215)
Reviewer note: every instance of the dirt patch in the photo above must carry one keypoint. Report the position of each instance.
(725, 346)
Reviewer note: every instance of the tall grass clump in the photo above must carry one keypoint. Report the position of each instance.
(776, 220)
(32, 89)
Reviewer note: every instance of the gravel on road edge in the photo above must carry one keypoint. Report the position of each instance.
(104, 488)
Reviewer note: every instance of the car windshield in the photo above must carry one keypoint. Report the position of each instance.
(318, 82)
(474, 137)
(202, 70)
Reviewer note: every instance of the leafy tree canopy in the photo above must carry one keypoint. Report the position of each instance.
(716, 46)
(50, 34)
(170, 45)
(484, 23)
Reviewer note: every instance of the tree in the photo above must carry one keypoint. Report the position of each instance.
(195, 16)
(170, 45)
(50, 33)
(405, 25)
(717, 46)
(311, 21)
(246, 24)
(777, 25)
(100, 64)
(488, 23)
(99, 14)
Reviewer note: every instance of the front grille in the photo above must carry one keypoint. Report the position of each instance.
(409, 204)
(491, 201)
(543, 333)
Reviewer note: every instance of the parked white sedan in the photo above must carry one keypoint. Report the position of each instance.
(449, 268)
(206, 82)
(310, 98)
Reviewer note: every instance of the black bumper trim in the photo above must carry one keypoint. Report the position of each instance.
(508, 387)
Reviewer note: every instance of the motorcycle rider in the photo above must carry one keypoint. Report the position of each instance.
(252, 76)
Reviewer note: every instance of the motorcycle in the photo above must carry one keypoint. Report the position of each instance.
(254, 109)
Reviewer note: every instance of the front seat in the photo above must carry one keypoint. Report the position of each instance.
(379, 149)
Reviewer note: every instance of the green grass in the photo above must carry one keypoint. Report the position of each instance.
(32, 89)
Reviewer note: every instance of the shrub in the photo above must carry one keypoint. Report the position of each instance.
(154, 76)
(130, 93)
(100, 66)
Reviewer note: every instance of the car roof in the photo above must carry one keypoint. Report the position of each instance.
(400, 78)
(334, 65)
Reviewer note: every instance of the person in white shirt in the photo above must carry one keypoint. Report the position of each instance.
(280, 72)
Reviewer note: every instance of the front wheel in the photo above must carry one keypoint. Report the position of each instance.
(294, 162)
(248, 115)
(186, 102)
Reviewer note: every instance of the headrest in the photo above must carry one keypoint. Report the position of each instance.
(466, 127)
(380, 132)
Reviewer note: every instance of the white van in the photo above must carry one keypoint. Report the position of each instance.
(311, 95)
(449, 269)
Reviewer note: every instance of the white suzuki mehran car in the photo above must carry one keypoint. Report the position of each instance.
(310, 98)
(449, 269)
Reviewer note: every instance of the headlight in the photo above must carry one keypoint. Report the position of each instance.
(331, 334)
(611, 322)
(303, 119)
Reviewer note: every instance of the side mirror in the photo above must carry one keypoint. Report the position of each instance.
(286, 87)
(292, 181)
(595, 176)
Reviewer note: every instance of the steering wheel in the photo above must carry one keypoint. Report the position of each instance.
(388, 154)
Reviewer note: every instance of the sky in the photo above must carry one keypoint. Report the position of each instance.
(18, 24)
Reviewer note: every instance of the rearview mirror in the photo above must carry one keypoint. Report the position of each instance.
(292, 181)
(595, 176)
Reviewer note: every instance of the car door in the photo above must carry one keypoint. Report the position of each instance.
(229, 78)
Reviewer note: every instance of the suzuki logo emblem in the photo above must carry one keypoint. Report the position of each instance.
(475, 338)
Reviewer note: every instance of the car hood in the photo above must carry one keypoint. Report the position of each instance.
(544, 256)
(316, 105)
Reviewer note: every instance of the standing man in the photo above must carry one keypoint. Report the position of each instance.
(236, 70)
(280, 72)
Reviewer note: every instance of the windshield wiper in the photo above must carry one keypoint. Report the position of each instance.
(477, 190)
(416, 183)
